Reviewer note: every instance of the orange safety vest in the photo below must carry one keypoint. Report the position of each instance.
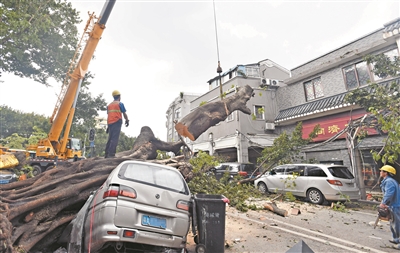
(114, 112)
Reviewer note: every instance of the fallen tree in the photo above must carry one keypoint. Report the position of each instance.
(34, 212)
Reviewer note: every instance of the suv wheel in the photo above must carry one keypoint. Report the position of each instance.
(315, 196)
(262, 187)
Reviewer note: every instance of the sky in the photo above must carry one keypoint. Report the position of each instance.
(152, 50)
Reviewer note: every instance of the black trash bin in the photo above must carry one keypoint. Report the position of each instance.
(209, 222)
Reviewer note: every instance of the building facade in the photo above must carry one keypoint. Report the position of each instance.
(312, 93)
(315, 93)
(240, 137)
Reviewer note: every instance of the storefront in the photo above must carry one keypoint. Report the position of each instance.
(327, 149)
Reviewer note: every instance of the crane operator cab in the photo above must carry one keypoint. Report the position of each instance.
(74, 149)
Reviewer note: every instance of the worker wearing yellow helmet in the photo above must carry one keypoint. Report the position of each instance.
(391, 200)
(115, 111)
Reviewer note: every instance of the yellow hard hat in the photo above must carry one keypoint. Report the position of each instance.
(116, 93)
(389, 169)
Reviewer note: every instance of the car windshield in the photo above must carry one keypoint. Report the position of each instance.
(341, 172)
(155, 176)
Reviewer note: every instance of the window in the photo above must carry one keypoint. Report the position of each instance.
(341, 172)
(170, 119)
(259, 111)
(313, 89)
(230, 117)
(359, 74)
(391, 54)
(289, 170)
(178, 113)
(315, 172)
(296, 170)
(253, 71)
(278, 171)
(153, 175)
(356, 75)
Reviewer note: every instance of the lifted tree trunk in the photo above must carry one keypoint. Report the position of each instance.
(208, 115)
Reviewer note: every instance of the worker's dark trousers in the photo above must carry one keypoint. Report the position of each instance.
(395, 223)
(113, 136)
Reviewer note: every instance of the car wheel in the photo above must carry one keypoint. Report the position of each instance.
(36, 170)
(262, 187)
(315, 196)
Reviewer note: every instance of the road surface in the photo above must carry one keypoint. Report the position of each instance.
(320, 227)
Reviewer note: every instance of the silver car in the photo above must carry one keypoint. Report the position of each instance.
(316, 182)
(141, 207)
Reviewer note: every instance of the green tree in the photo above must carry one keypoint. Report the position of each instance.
(287, 147)
(206, 183)
(36, 135)
(38, 38)
(125, 142)
(382, 101)
(15, 141)
(12, 121)
(87, 106)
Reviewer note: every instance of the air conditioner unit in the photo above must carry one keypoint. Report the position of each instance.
(265, 82)
(274, 82)
(269, 126)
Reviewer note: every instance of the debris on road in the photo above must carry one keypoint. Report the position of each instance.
(273, 208)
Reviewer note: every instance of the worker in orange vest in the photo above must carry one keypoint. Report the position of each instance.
(115, 110)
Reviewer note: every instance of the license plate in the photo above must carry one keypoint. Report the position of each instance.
(152, 221)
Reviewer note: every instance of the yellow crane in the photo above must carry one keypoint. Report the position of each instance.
(53, 148)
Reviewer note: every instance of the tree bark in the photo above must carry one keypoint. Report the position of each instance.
(208, 115)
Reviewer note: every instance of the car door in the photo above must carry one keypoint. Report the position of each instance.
(300, 181)
(275, 179)
(316, 178)
(288, 178)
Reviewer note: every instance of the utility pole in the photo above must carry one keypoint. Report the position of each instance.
(359, 170)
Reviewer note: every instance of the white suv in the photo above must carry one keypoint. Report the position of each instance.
(316, 182)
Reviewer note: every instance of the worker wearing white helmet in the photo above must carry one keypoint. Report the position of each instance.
(115, 111)
(391, 200)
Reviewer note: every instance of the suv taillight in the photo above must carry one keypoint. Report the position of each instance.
(243, 173)
(334, 182)
(115, 191)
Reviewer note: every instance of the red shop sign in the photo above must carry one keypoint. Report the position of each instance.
(331, 125)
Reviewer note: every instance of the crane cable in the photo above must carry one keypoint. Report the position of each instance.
(219, 69)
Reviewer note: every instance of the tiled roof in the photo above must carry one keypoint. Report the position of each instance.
(318, 106)
(322, 105)
(392, 28)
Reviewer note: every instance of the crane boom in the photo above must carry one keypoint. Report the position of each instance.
(52, 146)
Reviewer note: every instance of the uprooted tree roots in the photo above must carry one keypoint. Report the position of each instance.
(35, 211)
